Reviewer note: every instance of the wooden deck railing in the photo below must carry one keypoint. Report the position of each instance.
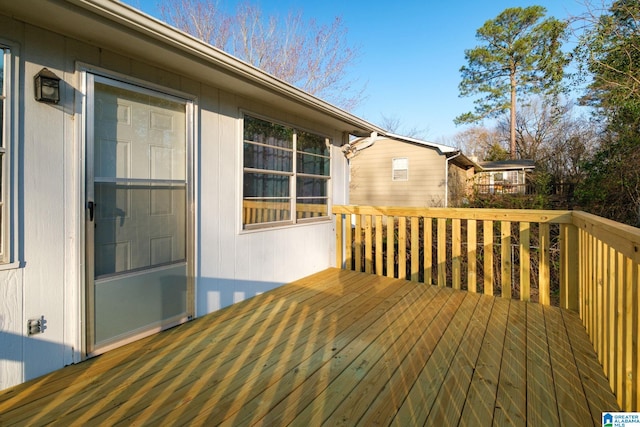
(572, 259)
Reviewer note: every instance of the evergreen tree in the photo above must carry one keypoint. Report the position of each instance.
(519, 55)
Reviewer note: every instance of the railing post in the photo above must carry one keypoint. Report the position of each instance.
(569, 267)
(339, 241)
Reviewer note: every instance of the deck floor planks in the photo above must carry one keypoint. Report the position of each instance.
(541, 395)
(66, 382)
(315, 351)
(448, 406)
(590, 370)
(132, 366)
(511, 401)
(239, 375)
(573, 408)
(380, 382)
(255, 360)
(415, 409)
(390, 399)
(206, 372)
(483, 389)
(355, 402)
(232, 344)
(343, 355)
(362, 369)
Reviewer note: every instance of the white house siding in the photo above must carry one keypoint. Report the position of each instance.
(230, 264)
(371, 182)
(11, 328)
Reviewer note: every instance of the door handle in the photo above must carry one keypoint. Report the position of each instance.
(90, 206)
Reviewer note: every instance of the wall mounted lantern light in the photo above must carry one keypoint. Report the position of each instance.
(47, 87)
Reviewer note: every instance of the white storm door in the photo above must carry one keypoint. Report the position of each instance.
(137, 222)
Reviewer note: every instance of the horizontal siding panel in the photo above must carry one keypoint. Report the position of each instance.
(371, 172)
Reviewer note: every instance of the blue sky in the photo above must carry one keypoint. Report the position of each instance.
(410, 52)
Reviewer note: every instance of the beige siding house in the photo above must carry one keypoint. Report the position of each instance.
(504, 177)
(401, 171)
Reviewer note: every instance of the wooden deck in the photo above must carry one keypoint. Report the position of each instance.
(338, 347)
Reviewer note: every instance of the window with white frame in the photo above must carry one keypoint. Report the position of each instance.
(400, 169)
(286, 174)
(4, 156)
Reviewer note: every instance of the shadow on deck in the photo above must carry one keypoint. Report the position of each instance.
(338, 347)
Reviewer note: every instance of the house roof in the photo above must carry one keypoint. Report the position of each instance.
(125, 30)
(508, 165)
(452, 153)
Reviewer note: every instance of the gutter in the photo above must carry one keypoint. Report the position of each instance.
(351, 150)
(446, 178)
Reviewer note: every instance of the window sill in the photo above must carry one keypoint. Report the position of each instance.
(10, 266)
(279, 226)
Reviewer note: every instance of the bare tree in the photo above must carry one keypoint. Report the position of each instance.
(202, 20)
(394, 125)
(554, 137)
(306, 54)
(479, 141)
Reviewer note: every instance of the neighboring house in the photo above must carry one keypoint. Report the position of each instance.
(503, 177)
(154, 179)
(394, 170)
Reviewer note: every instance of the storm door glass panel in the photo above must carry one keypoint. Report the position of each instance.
(140, 191)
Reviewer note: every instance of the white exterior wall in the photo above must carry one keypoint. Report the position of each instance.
(230, 264)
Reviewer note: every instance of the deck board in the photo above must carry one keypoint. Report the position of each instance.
(511, 401)
(337, 348)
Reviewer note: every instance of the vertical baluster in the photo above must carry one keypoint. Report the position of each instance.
(505, 259)
(379, 248)
(415, 248)
(428, 251)
(442, 252)
(487, 232)
(368, 245)
(544, 269)
(472, 254)
(525, 261)
(456, 253)
(402, 247)
(391, 255)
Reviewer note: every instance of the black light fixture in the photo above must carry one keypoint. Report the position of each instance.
(47, 87)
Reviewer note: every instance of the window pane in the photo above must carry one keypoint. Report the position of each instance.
(259, 211)
(138, 226)
(267, 196)
(257, 185)
(257, 130)
(400, 169)
(310, 143)
(261, 157)
(312, 208)
(313, 165)
(311, 187)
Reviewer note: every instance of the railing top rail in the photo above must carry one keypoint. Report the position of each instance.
(527, 215)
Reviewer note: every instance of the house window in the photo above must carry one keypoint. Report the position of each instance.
(400, 169)
(5, 173)
(286, 174)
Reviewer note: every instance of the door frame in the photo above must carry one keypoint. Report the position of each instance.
(89, 74)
